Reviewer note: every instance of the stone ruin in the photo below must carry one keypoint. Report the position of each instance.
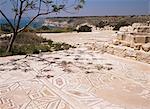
(131, 42)
(109, 28)
(136, 36)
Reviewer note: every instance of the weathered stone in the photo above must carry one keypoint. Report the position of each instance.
(143, 56)
(134, 36)
(119, 51)
(146, 47)
(139, 39)
(130, 53)
(137, 46)
(116, 42)
(135, 25)
(110, 50)
(132, 44)
(126, 29)
(128, 38)
(136, 53)
(147, 40)
(125, 43)
(143, 29)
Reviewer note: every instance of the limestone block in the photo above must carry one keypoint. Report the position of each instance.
(130, 53)
(143, 56)
(119, 37)
(119, 51)
(139, 39)
(123, 29)
(147, 39)
(116, 42)
(108, 28)
(110, 49)
(135, 25)
(129, 38)
(143, 29)
(135, 30)
(146, 47)
(132, 44)
(130, 29)
(125, 43)
(137, 46)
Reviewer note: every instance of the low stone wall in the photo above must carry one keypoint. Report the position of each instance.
(131, 42)
(127, 52)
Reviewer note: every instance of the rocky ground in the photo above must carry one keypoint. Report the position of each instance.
(79, 78)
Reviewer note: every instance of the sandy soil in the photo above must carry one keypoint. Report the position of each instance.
(79, 38)
(79, 78)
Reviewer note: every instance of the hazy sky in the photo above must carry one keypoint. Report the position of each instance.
(108, 7)
(116, 7)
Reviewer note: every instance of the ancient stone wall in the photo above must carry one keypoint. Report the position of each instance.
(131, 42)
(126, 52)
(136, 36)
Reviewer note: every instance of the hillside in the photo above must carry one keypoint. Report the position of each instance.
(95, 20)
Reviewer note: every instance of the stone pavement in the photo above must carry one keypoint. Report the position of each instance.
(74, 79)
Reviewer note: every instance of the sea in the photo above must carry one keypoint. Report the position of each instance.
(35, 24)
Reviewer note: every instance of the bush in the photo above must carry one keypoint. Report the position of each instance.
(45, 29)
(29, 38)
(30, 43)
(6, 28)
(57, 46)
(1, 32)
(50, 43)
(85, 28)
(101, 24)
(61, 46)
(121, 24)
(29, 49)
(2, 52)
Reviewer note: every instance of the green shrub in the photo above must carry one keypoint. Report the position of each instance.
(2, 52)
(121, 24)
(29, 38)
(85, 28)
(1, 32)
(22, 49)
(43, 48)
(50, 43)
(61, 46)
(45, 29)
(101, 24)
(6, 28)
(30, 43)
(66, 46)
(57, 46)
(29, 49)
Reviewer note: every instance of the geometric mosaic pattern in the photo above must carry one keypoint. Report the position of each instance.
(73, 79)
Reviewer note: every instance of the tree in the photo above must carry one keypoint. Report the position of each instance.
(120, 24)
(40, 8)
(101, 24)
(85, 28)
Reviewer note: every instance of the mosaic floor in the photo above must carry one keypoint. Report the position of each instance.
(73, 79)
